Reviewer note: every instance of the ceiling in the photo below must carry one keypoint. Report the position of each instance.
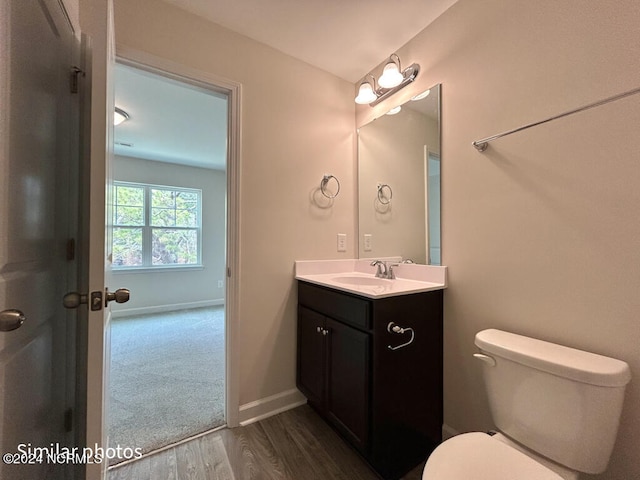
(179, 123)
(345, 37)
(170, 121)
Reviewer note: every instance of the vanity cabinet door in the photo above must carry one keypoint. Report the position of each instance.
(311, 356)
(348, 375)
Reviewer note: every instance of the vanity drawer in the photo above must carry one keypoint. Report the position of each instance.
(340, 306)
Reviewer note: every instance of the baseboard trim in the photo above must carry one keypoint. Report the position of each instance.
(448, 432)
(266, 407)
(125, 312)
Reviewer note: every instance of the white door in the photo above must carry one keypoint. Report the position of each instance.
(95, 238)
(37, 152)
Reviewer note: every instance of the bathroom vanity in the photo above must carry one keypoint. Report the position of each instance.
(370, 363)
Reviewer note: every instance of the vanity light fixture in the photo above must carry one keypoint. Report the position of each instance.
(366, 92)
(393, 78)
(119, 116)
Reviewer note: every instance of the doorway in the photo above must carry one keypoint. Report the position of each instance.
(167, 380)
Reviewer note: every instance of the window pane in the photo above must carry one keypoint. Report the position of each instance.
(174, 208)
(186, 200)
(127, 247)
(174, 247)
(163, 217)
(129, 205)
(187, 218)
(163, 198)
(133, 196)
(128, 215)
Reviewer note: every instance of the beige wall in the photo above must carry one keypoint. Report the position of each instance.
(541, 233)
(297, 124)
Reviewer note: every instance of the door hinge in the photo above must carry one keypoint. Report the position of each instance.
(71, 249)
(229, 272)
(68, 420)
(75, 73)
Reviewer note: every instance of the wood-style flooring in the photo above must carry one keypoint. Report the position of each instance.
(294, 445)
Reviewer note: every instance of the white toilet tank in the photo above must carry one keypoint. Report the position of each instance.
(557, 401)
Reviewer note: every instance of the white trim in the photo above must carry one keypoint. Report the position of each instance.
(234, 90)
(126, 312)
(158, 269)
(266, 407)
(448, 432)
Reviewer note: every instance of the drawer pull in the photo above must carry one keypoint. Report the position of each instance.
(393, 328)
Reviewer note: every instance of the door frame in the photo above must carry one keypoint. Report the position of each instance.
(169, 69)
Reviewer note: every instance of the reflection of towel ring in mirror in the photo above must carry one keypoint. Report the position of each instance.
(323, 186)
(381, 197)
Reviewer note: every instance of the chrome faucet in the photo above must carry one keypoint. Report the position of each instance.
(380, 273)
(384, 270)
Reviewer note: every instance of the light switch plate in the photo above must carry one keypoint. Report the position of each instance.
(367, 242)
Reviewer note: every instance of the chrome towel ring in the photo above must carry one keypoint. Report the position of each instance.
(382, 198)
(323, 186)
(392, 327)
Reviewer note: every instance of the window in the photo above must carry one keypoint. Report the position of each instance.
(155, 226)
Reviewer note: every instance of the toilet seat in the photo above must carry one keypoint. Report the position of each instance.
(478, 456)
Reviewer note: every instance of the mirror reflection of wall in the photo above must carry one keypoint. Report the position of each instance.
(401, 151)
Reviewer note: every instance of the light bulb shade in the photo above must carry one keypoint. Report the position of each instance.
(119, 116)
(395, 110)
(391, 76)
(420, 96)
(366, 94)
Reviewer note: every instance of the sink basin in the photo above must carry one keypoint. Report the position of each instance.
(358, 277)
(363, 281)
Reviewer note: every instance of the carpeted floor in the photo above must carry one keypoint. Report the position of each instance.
(167, 377)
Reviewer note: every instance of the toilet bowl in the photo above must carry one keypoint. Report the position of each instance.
(479, 456)
(557, 410)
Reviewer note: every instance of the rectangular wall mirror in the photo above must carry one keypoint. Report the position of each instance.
(399, 182)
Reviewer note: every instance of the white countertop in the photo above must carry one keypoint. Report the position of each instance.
(358, 276)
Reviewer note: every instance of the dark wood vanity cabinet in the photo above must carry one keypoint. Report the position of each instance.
(386, 403)
(333, 367)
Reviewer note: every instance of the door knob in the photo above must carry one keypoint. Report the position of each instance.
(121, 295)
(11, 319)
(75, 299)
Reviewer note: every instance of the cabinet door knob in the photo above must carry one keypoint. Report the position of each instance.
(325, 331)
(319, 329)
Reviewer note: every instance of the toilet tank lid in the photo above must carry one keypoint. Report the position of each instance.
(556, 359)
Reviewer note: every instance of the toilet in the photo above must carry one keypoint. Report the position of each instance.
(556, 409)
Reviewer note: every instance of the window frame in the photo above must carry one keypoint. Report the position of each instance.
(147, 229)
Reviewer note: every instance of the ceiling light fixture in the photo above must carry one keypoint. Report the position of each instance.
(395, 110)
(119, 116)
(393, 78)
